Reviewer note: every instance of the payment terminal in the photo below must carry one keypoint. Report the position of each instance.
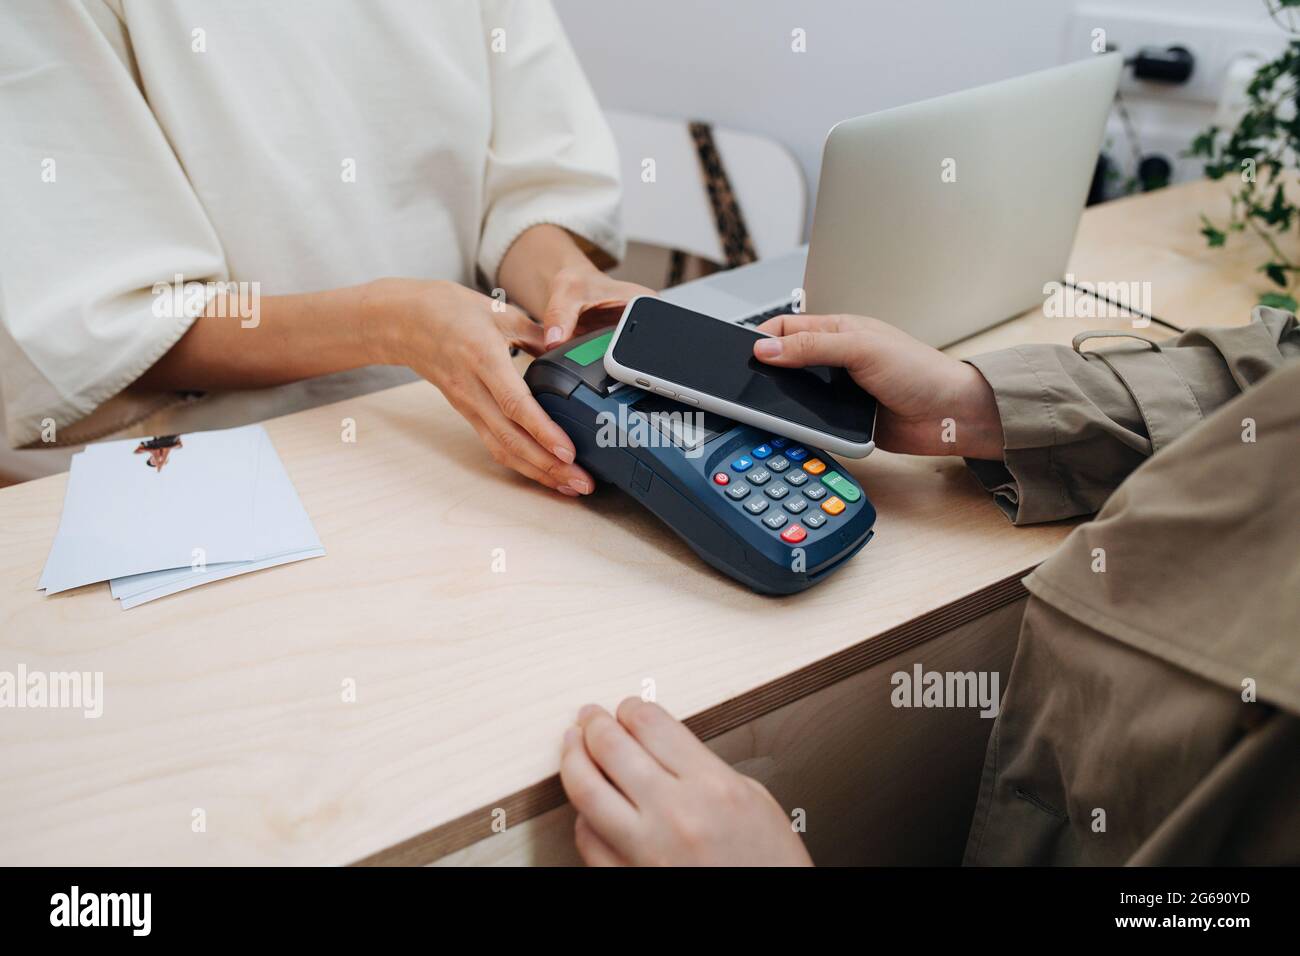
(775, 515)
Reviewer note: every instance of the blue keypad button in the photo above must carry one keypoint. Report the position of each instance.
(795, 505)
(779, 443)
(742, 464)
(796, 477)
(814, 493)
(814, 520)
(737, 491)
(756, 506)
(776, 492)
(759, 476)
(762, 452)
(776, 520)
(797, 454)
(778, 463)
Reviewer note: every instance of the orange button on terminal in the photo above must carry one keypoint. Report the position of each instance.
(832, 505)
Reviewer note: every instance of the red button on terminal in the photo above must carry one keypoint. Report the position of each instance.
(721, 478)
(793, 534)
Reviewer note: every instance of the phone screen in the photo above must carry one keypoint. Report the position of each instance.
(717, 358)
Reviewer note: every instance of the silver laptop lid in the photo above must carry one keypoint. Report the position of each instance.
(948, 216)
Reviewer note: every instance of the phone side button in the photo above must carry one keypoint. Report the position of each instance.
(643, 383)
(666, 393)
(687, 399)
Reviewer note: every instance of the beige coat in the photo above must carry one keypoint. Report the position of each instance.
(1153, 711)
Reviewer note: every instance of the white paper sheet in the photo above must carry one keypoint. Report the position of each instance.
(283, 533)
(123, 515)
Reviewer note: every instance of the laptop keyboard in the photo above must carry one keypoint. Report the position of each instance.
(761, 317)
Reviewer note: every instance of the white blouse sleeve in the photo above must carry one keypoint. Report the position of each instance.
(552, 158)
(97, 210)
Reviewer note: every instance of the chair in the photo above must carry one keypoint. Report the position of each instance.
(674, 212)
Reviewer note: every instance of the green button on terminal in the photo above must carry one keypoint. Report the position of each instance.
(589, 352)
(841, 486)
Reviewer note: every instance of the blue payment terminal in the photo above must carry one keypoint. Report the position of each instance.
(775, 515)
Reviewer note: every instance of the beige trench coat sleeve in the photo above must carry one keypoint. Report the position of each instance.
(1153, 711)
(1076, 423)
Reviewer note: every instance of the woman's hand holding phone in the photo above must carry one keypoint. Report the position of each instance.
(920, 390)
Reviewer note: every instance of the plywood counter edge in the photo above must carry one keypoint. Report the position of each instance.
(547, 794)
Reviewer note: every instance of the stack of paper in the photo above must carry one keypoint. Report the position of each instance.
(162, 515)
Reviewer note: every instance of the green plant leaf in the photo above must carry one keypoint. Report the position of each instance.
(1266, 141)
(1213, 237)
(1203, 144)
(1279, 210)
(1275, 271)
(1278, 300)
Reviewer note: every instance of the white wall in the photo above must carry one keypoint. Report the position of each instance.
(730, 62)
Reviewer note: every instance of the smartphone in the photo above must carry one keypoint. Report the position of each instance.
(699, 360)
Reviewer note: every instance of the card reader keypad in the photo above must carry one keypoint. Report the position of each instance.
(808, 489)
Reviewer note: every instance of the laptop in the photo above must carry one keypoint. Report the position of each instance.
(944, 217)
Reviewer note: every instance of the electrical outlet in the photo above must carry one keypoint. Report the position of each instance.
(1161, 135)
(1215, 40)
